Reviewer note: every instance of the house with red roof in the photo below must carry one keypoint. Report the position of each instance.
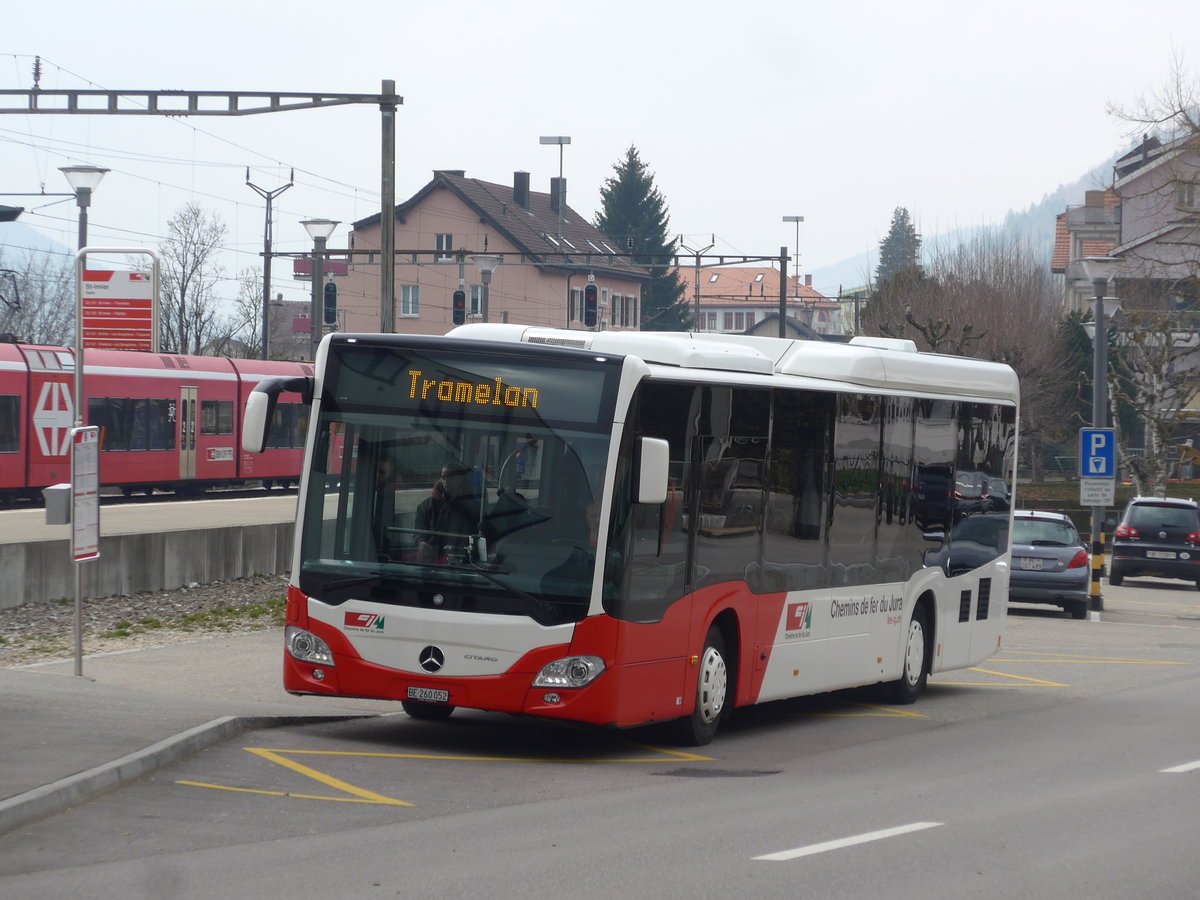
(736, 299)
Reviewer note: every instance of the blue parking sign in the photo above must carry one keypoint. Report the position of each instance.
(1097, 453)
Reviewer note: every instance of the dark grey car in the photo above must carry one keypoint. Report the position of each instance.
(1050, 563)
(1157, 536)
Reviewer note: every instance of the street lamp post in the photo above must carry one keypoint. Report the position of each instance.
(83, 180)
(561, 140)
(319, 230)
(486, 263)
(1099, 270)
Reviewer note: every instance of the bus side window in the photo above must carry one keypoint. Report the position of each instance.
(797, 492)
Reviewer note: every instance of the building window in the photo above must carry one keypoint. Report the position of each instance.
(410, 300)
(575, 313)
(1185, 194)
(712, 320)
(444, 245)
(476, 300)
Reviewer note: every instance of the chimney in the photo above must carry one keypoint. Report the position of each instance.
(808, 281)
(558, 193)
(521, 189)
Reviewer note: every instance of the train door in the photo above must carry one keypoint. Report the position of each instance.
(188, 412)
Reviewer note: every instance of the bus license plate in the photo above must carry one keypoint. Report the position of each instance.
(428, 695)
(1159, 554)
(1031, 562)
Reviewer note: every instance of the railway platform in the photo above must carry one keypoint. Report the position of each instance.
(147, 546)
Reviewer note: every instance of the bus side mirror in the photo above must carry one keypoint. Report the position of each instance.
(256, 421)
(260, 408)
(654, 458)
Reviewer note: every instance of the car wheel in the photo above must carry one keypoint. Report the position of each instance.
(430, 712)
(911, 683)
(1115, 576)
(1080, 610)
(713, 685)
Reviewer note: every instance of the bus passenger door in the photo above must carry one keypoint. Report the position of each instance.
(186, 417)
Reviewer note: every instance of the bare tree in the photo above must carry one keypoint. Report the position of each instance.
(1153, 371)
(190, 317)
(37, 298)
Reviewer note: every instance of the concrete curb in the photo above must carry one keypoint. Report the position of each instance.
(38, 803)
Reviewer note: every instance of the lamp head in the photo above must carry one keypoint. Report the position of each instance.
(320, 229)
(1099, 268)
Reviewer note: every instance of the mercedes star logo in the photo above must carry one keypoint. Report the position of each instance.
(431, 659)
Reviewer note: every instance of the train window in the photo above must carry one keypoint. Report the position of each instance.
(111, 414)
(216, 417)
(10, 423)
(289, 425)
(160, 424)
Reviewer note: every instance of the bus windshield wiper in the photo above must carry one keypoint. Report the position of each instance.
(357, 581)
(535, 603)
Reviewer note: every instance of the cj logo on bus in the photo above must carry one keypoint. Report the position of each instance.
(431, 659)
(798, 621)
(357, 621)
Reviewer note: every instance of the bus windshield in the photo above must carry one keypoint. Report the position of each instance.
(455, 480)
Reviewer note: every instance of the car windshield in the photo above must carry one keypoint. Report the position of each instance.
(1043, 531)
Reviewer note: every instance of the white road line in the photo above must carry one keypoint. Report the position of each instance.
(850, 841)
(1186, 767)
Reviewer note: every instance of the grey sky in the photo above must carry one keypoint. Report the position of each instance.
(744, 112)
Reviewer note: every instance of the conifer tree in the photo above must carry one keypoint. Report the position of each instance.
(900, 250)
(633, 214)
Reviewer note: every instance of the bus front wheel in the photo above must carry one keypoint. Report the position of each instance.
(911, 683)
(712, 693)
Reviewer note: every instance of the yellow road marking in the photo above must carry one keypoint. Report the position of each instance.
(1025, 678)
(361, 795)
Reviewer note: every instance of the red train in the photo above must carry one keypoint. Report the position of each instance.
(167, 422)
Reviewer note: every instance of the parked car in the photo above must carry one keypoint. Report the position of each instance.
(1050, 562)
(1157, 536)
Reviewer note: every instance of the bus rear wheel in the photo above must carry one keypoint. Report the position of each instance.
(713, 684)
(911, 683)
(430, 712)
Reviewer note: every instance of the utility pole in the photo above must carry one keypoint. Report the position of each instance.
(698, 253)
(266, 283)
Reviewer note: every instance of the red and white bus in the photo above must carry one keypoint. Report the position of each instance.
(649, 527)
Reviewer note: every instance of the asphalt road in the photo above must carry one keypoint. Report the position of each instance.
(1068, 765)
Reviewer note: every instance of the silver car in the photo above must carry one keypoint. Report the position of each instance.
(1050, 562)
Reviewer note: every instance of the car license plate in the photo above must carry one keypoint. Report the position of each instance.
(1031, 562)
(1160, 554)
(428, 695)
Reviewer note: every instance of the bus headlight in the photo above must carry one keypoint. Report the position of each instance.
(570, 672)
(306, 646)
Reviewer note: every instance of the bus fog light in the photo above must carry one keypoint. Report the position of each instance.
(551, 698)
(570, 672)
(306, 646)
(318, 674)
